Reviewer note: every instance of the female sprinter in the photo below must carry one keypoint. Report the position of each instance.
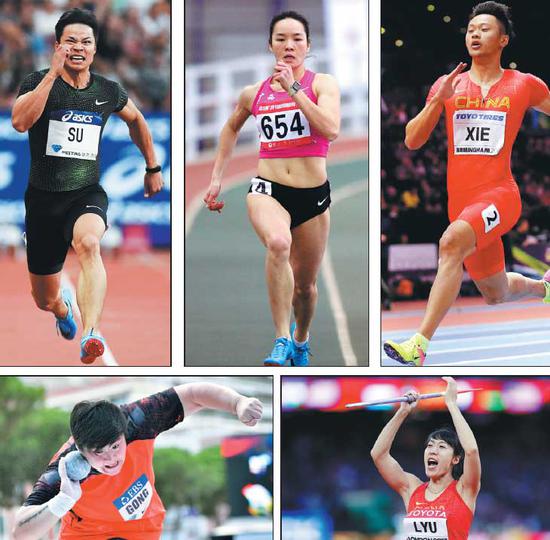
(297, 113)
(444, 506)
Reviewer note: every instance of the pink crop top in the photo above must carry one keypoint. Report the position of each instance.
(284, 130)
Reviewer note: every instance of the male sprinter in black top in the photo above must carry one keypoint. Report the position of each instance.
(65, 109)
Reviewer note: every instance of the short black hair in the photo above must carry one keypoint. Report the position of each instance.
(449, 436)
(288, 15)
(96, 424)
(76, 16)
(502, 12)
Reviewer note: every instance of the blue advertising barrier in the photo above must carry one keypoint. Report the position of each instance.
(122, 170)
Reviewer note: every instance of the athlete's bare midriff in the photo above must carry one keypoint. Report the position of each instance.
(298, 172)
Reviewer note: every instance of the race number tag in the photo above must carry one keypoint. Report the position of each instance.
(425, 528)
(491, 217)
(282, 126)
(260, 187)
(74, 134)
(133, 503)
(478, 132)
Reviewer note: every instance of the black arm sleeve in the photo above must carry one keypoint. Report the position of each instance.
(150, 416)
(47, 486)
(30, 82)
(122, 99)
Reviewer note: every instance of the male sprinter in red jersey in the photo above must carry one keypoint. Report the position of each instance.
(442, 508)
(118, 499)
(484, 108)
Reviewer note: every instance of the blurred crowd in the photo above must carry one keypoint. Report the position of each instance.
(133, 45)
(328, 466)
(414, 199)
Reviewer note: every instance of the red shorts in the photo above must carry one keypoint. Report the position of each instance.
(491, 213)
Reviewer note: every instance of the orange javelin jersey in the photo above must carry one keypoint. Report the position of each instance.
(481, 132)
(445, 518)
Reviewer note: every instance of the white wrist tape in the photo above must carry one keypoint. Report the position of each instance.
(61, 504)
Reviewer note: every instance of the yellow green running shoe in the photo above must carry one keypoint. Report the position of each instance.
(411, 352)
(546, 282)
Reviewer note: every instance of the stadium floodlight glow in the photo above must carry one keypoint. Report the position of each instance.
(382, 30)
(430, 8)
(399, 43)
(447, 19)
(513, 65)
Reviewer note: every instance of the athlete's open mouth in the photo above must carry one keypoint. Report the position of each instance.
(77, 58)
(111, 467)
(432, 462)
(475, 45)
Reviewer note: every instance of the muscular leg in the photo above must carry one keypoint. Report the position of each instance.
(46, 291)
(272, 225)
(309, 241)
(509, 286)
(457, 242)
(92, 281)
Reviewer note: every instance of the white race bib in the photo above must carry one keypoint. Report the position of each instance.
(478, 132)
(74, 134)
(425, 528)
(260, 187)
(281, 126)
(133, 503)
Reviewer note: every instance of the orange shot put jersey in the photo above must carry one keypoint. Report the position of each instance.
(445, 518)
(127, 505)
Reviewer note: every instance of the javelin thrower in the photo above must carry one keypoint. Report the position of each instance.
(442, 507)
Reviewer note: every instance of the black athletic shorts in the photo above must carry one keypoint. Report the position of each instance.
(49, 222)
(301, 203)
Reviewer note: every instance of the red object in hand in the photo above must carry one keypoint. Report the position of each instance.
(215, 206)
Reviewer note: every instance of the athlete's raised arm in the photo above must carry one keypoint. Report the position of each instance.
(324, 116)
(197, 396)
(34, 521)
(419, 129)
(226, 143)
(470, 481)
(141, 136)
(390, 470)
(28, 107)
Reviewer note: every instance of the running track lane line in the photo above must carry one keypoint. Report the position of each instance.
(329, 278)
(242, 178)
(491, 360)
(107, 358)
(327, 270)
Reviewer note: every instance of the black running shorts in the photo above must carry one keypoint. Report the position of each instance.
(49, 222)
(301, 203)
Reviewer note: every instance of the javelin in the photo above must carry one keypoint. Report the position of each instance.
(405, 399)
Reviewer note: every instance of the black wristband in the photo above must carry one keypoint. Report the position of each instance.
(158, 168)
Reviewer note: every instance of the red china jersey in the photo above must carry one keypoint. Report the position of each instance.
(445, 518)
(481, 131)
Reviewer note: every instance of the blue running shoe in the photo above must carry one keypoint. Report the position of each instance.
(280, 353)
(91, 346)
(299, 354)
(66, 326)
